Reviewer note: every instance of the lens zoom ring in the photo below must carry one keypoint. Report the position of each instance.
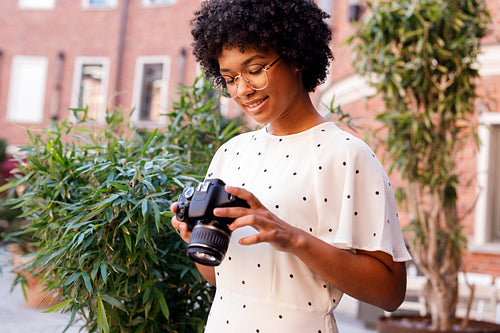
(213, 237)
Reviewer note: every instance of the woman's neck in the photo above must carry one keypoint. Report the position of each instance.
(303, 118)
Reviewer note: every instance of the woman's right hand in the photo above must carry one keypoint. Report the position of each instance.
(207, 272)
(181, 227)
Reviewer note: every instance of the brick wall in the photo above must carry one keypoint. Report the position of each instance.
(78, 32)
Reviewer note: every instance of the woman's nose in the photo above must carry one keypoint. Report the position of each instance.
(243, 89)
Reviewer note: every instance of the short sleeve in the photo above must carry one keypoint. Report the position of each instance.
(366, 208)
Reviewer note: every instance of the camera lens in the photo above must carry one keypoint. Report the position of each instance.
(205, 257)
(208, 244)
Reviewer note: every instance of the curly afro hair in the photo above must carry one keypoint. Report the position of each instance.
(294, 28)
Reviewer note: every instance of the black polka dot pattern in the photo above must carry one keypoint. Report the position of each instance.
(325, 182)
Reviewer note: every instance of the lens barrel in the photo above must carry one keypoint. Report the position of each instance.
(208, 244)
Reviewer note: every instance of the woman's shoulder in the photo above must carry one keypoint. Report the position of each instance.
(238, 142)
(339, 140)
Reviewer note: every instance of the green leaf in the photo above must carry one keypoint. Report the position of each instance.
(102, 321)
(163, 303)
(88, 283)
(128, 241)
(114, 302)
(144, 207)
(71, 279)
(59, 306)
(119, 186)
(104, 272)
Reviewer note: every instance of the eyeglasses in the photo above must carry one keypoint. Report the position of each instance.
(255, 76)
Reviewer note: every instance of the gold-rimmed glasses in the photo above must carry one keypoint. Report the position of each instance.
(255, 76)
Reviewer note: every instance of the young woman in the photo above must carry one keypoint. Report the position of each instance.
(322, 219)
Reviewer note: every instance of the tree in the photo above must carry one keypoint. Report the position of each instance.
(421, 56)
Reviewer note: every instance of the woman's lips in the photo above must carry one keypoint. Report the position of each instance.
(255, 105)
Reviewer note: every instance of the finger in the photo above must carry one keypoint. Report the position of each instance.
(173, 207)
(251, 240)
(246, 220)
(182, 229)
(232, 212)
(181, 226)
(241, 193)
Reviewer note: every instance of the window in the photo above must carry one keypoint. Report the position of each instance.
(487, 226)
(494, 168)
(27, 89)
(98, 4)
(156, 3)
(150, 88)
(37, 4)
(487, 209)
(90, 86)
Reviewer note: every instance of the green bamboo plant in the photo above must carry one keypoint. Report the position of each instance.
(421, 57)
(97, 202)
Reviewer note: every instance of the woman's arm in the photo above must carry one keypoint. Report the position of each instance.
(372, 277)
(207, 272)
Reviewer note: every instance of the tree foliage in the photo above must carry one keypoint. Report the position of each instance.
(421, 55)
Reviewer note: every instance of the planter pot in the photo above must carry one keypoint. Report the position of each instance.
(35, 294)
(418, 324)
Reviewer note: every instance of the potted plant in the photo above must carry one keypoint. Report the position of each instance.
(97, 202)
(421, 56)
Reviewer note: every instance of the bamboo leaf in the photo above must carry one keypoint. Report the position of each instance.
(59, 306)
(88, 283)
(113, 301)
(102, 321)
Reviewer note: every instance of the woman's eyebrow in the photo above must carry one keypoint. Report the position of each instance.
(245, 63)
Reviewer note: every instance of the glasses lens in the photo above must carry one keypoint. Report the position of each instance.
(221, 87)
(255, 76)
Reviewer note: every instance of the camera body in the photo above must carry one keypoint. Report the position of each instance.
(210, 234)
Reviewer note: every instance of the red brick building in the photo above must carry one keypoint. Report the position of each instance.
(57, 54)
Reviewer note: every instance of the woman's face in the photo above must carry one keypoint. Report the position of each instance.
(279, 100)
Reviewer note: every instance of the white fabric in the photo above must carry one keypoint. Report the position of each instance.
(323, 180)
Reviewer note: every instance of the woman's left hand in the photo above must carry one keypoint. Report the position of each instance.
(281, 235)
(371, 276)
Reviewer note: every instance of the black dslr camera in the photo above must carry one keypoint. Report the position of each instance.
(210, 235)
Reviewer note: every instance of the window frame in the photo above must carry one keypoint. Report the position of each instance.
(77, 79)
(111, 4)
(30, 5)
(137, 90)
(17, 88)
(149, 4)
(483, 239)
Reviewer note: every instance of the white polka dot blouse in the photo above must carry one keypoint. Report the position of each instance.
(324, 181)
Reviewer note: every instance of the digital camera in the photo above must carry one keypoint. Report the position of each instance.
(210, 235)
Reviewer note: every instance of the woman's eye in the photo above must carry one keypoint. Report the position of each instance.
(255, 70)
(229, 80)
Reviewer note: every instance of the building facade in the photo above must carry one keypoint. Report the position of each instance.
(57, 54)
(61, 54)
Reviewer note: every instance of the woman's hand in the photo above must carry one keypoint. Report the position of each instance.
(281, 235)
(181, 227)
(207, 272)
(371, 276)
